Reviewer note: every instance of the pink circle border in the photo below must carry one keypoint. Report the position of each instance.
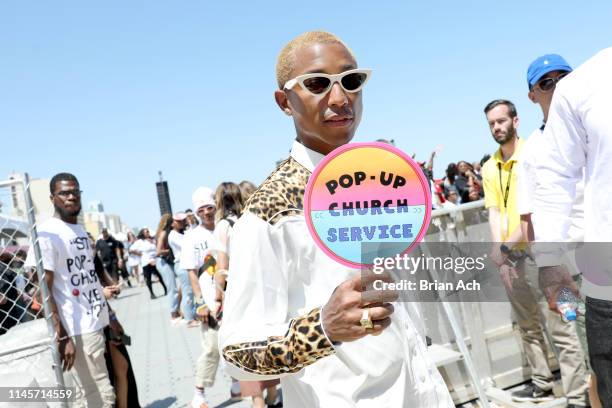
(357, 145)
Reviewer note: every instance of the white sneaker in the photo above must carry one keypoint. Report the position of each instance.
(198, 403)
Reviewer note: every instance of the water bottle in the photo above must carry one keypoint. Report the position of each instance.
(569, 305)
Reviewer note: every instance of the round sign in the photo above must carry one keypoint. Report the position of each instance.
(367, 200)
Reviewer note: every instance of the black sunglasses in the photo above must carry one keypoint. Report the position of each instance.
(547, 84)
(67, 193)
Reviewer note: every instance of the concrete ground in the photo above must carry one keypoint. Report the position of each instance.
(164, 356)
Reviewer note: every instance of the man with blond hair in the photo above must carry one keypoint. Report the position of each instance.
(292, 313)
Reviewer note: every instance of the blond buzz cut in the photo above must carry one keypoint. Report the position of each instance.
(286, 59)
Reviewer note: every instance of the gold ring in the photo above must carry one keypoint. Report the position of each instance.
(365, 321)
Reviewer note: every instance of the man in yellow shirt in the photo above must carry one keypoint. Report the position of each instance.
(519, 271)
(517, 268)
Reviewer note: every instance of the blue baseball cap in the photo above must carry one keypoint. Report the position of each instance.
(545, 64)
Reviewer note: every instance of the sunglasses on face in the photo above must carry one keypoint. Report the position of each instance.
(547, 84)
(68, 193)
(320, 84)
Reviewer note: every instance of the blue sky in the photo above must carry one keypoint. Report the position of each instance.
(115, 91)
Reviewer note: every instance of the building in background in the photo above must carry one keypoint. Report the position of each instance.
(13, 231)
(95, 220)
(92, 217)
(95, 206)
(39, 190)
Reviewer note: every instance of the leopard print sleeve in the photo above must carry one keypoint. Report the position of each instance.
(303, 344)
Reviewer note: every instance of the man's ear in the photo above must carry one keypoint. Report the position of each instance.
(531, 96)
(282, 101)
(515, 122)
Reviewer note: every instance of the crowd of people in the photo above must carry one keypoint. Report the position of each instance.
(83, 273)
(192, 247)
(189, 256)
(243, 269)
(462, 182)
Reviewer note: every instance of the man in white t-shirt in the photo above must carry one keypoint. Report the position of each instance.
(198, 254)
(78, 308)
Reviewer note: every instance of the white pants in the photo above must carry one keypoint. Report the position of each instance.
(208, 362)
(89, 373)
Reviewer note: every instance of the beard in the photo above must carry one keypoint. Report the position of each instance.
(505, 136)
(65, 213)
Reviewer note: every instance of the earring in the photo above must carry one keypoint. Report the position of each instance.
(287, 112)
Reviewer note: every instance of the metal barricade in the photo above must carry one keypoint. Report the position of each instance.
(488, 357)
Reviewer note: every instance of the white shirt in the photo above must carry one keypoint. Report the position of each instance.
(66, 251)
(175, 240)
(147, 249)
(526, 184)
(223, 233)
(198, 243)
(579, 136)
(133, 260)
(277, 273)
(526, 173)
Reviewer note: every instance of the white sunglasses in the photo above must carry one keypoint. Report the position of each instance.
(320, 84)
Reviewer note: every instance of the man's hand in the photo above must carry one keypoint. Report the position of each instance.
(507, 274)
(110, 291)
(220, 284)
(342, 313)
(554, 278)
(497, 256)
(202, 314)
(67, 352)
(120, 264)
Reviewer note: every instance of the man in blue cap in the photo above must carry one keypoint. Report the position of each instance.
(542, 76)
(579, 135)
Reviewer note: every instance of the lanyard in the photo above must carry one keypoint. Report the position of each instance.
(501, 187)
